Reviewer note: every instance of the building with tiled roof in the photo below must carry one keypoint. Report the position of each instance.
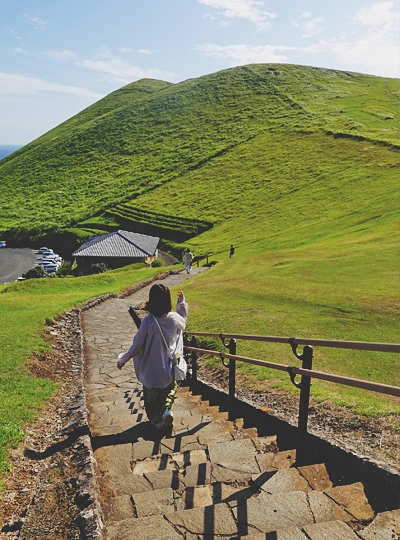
(117, 249)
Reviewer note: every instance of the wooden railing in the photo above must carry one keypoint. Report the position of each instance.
(305, 370)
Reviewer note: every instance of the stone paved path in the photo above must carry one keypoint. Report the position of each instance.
(108, 329)
(213, 477)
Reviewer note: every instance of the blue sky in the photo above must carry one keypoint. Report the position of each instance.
(59, 57)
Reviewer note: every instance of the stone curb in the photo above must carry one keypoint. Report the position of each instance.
(77, 444)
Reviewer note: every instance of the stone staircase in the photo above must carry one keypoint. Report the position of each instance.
(214, 478)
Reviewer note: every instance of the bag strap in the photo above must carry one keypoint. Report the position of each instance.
(164, 340)
(161, 332)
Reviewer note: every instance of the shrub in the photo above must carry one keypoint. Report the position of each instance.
(157, 262)
(64, 270)
(98, 268)
(36, 272)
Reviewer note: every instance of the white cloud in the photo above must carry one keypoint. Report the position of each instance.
(112, 67)
(306, 14)
(376, 14)
(36, 22)
(376, 52)
(138, 51)
(63, 56)
(374, 45)
(20, 51)
(11, 31)
(17, 84)
(313, 27)
(246, 54)
(242, 9)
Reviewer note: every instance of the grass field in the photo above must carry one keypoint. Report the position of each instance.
(297, 167)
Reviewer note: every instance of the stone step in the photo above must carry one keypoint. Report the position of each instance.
(277, 478)
(133, 468)
(315, 513)
(295, 509)
(331, 530)
(214, 477)
(202, 477)
(108, 415)
(166, 500)
(236, 460)
(386, 526)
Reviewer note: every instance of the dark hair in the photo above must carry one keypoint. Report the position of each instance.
(159, 300)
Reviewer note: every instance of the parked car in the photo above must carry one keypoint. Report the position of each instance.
(51, 268)
(52, 258)
(20, 279)
(50, 265)
(49, 260)
(3, 243)
(42, 249)
(47, 253)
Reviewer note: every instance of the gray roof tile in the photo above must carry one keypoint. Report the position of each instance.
(119, 244)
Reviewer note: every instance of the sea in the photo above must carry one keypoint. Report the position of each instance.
(7, 149)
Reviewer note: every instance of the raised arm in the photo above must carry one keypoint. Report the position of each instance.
(182, 307)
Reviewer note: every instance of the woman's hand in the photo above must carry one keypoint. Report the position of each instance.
(119, 367)
(180, 294)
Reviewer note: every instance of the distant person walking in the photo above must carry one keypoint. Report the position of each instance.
(231, 252)
(151, 358)
(188, 259)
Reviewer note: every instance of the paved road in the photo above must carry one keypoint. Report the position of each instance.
(14, 262)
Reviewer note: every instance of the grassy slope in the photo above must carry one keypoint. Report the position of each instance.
(317, 251)
(150, 132)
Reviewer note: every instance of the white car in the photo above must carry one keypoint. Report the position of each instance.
(42, 249)
(3, 243)
(48, 253)
(46, 264)
(51, 268)
(54, 258)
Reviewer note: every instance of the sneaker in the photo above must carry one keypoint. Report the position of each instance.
(168, 420)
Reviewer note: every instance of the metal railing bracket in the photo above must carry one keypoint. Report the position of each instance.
(293, 376)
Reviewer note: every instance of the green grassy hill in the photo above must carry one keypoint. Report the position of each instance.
(150, 133)
(297, 167)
